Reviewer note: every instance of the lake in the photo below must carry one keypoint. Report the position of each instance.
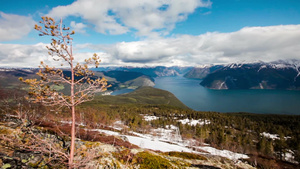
(255, 101)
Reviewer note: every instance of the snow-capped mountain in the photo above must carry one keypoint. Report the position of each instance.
(281, 74)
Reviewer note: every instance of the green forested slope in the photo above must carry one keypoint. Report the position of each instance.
(143, 95)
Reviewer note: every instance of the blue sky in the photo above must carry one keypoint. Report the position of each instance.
(155, 32)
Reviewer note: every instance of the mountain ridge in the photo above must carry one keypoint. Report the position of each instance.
(279, 74)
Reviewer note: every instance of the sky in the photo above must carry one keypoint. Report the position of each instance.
(154, 32)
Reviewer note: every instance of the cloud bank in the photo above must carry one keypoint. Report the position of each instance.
(14, 27)
(151, 18)
(248, 44)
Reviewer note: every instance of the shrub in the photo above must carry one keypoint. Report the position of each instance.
(186, 155)
(148, 160)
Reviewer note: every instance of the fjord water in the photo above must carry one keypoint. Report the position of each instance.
(254, 101)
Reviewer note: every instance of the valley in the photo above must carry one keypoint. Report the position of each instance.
(154, 123)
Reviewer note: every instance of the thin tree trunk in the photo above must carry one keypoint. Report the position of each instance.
(73, 117)
(72, 138)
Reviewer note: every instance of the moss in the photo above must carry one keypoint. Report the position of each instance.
(41, 165)
(124, 156)
(186, 155)
(5, 166)
(148, 160)
(91, 144)
(24, 161)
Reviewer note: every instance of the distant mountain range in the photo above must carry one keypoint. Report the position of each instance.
(243, 75)
(256, 75)
(9, 78)
(157, 71)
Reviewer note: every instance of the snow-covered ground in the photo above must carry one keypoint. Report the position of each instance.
(289, 156)
(223, 153)
(193, 122)
(273, 136)
(170, 134)
(150, 118)
(169, 139)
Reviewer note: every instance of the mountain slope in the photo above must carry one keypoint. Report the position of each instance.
(258, 75)
(202, 72)
(143, 95)
(9, 78)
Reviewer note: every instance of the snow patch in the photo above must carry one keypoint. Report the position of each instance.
(118, 125)
(70, 122)
(224, 153)
(171, 134)
(271, 136)
(107, 93)
(162, 143)
(150, 118)
(193, 122)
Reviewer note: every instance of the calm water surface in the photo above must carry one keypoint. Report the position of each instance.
(255, 101)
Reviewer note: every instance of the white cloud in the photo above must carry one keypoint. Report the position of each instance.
(149, 17)
(16, 55)
(250, 43)
(14, 27)
(78, 27)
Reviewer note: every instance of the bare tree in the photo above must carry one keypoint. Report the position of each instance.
(82, 84)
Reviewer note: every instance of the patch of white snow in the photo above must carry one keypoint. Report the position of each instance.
(224, 153)
(193, 122)
(150, 118)
(271, 136)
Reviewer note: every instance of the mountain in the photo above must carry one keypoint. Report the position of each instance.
(125, 79)
(142, 95)
(202, 71)
(157, 71)
(9, 78)
(257, 75)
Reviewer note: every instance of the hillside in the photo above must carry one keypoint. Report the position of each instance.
(44, 144)
(139, 136)
(142, 128)
(9, 78)
(126, 79)
(142, 95)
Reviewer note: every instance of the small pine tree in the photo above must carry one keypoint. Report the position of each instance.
(82, 86)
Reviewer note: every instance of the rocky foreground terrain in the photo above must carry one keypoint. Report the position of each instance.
(44, 144)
